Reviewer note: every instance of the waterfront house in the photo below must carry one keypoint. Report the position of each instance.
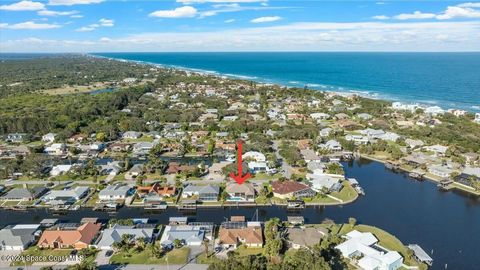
(115, 192)
(321, 182)
(66, 196)
(157, 188)
(175, 167)
(290, 189)
(331, 145)
(373, 134)
(440, 170)
(78, 238)
(188, 234)
(24, 194)
(249, 236)
(438, 150)
(240, 193)
(357, 139)
(49, 137)
(114, 235)
(369, 255)
(18, 237)
(142, 148)
(469, 176)
(305, 237)
(207, 193)
(414, 143)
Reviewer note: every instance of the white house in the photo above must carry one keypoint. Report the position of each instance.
(49, 137)
(440, 170)
(357, 139)
(477, 118)
(322, 181)
(60, 169)
(56, 149)
(114, 235)
(364, 247)
(434, 110)
(439, 150)
(325, 132)
(332, 145)
(254, 155)
(188, 234)
(320, 116)
(131, 135)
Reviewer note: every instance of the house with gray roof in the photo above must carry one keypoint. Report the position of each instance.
(18, 237)
(204, 193)
(115, 192)
(322, 181)
(115, 233)
(189, 235)
(305, 237)
(24, 194)
(66, 196)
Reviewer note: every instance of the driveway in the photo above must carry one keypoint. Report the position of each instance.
(286, 168)
(102, 258)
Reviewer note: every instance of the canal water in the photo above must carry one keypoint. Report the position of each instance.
(447, 223)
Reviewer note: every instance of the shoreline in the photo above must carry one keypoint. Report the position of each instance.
(311, 86)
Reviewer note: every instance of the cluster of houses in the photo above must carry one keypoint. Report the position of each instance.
(362, 248)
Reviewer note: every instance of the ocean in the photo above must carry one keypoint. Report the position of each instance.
(448, 80)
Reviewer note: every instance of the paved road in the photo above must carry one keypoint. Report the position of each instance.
(286, 168)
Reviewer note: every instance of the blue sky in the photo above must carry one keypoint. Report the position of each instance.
(241, 25)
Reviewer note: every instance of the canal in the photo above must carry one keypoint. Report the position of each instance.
(447, 223)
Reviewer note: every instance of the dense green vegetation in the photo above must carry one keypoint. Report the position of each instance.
(27, 75)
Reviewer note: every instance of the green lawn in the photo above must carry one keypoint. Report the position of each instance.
(245, 251)
(176, 256)
(35, 251)
(346, 194)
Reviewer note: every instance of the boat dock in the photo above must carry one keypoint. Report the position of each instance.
(420, 254)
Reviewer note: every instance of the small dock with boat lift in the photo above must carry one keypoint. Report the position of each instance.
(188, 205)
(445, 184)
(295, 204)
(420, 254)
(354, 183)
(392, 165)
(417, 174)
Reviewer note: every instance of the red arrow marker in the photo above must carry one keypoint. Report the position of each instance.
(239, 178)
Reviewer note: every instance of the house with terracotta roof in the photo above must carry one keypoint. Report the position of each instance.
(162, 191)
(289, 189)
(250, 236)
(78, 238)
(175, 167)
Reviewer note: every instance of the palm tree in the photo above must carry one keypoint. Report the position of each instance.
(205, 244)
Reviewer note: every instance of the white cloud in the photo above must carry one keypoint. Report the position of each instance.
(229, 21)
(76, 16)
(106, 22)
(101, 23)
(73, 2)
(415, 15)
(465, 10)
(181, 12)
(458, 12)
(29, 25)
(218, 1)
(380, 17)
(266, 19)
(470, 5)
(307, 36)
(46, 12)
(23, 6)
